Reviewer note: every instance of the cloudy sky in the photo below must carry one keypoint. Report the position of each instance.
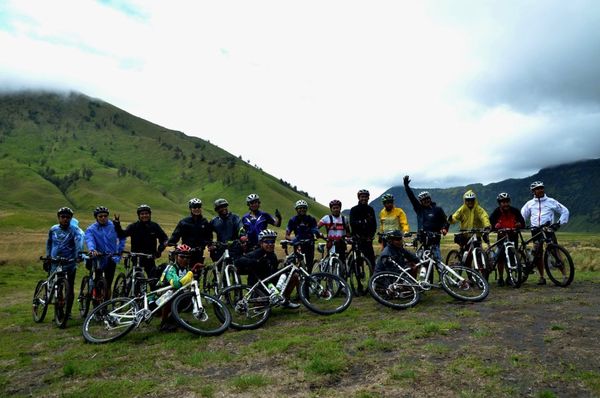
(333, 96)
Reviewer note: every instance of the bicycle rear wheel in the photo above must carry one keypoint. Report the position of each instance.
(248, 310)
(513, 267)
(208, 318)
(466, 285)
(324, 293)
(62, 296)
(120, 286)
(559, 265)
(453, 258)
(84, 297)
(40, 303)
(393, 290)
(110, 320)
(359, 276)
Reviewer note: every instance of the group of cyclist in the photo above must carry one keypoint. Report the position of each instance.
(255, 256)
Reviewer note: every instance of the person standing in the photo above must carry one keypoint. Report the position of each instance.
(256, 220)
(337, 228)
(227, 226)
(391, 218)
(194, 231)
(364, 225)
(304, 227)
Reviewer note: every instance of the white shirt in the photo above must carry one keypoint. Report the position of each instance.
(542, 210)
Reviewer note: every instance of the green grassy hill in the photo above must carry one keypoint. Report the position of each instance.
(71, 150)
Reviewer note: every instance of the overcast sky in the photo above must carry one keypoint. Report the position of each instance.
(333, 96)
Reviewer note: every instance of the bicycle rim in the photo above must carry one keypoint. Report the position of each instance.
(467, 285)
(40, 305)
(248, 310)
(210, 319)
(392, 290)
(61, 300)
(84, 297)
(359, 277)
(559, 265)
(324, 293)
(110, 320)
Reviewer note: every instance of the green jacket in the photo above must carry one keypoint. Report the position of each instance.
(175, 276)
(476, 217)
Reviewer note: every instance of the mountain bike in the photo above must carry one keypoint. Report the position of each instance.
(331, 263)
(53, 290)
(221, 274)
(506, 248)
(321, 293)
(399, 289)
(556, 259)
(132, 282)
(94, 288)
(470, 253)
(195, 311)
(359, 268)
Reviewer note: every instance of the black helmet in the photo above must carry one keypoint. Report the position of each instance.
(99, 210)
(221, 203)
(65, 210)
(142, 208)
(363, 192)
(388, 197)
(394, 234)
(335, 202)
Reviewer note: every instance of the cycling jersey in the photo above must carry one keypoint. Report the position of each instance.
(64, 242)
(176, 276)
(227, 228)
(303, 227)
(193, 231)
(336, 226)
(103, 238)
(393, 220)
(469, 218)
(255, 223)
(506, 219)
(541, 211)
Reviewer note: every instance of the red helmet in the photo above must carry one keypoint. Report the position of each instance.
(183, 249)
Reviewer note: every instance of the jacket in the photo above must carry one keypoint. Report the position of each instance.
(104, 239)
(362, 221)
(144, 236)
(194, 232)
(432, 218)
(541, 211)
(476, 217)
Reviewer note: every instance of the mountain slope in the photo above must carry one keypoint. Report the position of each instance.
(58, 150)
(575, 185)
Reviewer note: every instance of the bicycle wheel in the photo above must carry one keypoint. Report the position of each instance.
(453, 258)
(324, 293)
(248, 310)
(393, 290)
(62, 296)
(359, 276)
(466, 285)
(559, 265)
(526, 265)
(209, 278)
(120, 286)
(99, 293)
(84, 297)
(208, 318)
(513, 267)
(40, 303)
(110, 320)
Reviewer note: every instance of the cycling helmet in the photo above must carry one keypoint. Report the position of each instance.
(536, 184)
(423, 195)
(251, 198)
(363, 192)
(64, 210)
(221, 203)
(395, 234)
(502, 196)
(266, 234)
(335, 202)
(388, 197)
(194, 202)
(301, 203)
(469, 195)
(99, 210)
(183, 250)
(142, 208)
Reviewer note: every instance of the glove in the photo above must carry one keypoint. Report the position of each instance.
(406, 180)
(277, 214)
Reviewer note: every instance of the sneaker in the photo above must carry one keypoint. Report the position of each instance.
(500, 282)
(542, 281)
(290, 305)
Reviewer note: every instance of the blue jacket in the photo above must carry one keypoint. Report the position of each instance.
(104, 239)
(63, 242)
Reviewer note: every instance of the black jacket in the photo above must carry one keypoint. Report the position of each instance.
(362, 221)
(432, 219)
(194, 232)
(146, 237)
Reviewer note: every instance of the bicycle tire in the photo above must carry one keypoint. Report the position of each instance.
(359, 279)
(209, 280)
(513, 267)
(246, 312)
(61, 301)
(120, 286)
(526, 265)
(324, 293)
(393, 290)
(213, 319)
(84, 297)
(110, 320)
(40, 303)
(559, 265)
(473, 282)
(101, 293)
(453, 258)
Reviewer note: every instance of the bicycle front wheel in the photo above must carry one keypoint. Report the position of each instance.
(453, 258)
(359, 276)
(120, 286)
(559, 265)
(465, 284)
(514, 269)
(393, 290)
(208, 318)
(110, 320)
(62, 297)
(249, 310)
(84, 297)
(40, 303)
(324, 293)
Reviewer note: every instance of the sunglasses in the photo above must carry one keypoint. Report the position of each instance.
(268, 241)
(104, 215)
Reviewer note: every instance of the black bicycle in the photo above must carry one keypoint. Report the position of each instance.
(53, 290)
(94, 288)
(132, 282)
(359, 268)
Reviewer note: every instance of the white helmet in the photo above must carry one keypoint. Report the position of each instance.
(502, 196)
(469, 195)
(536, 184)
(423, 195)
(194, 202)
(267, 233)
(301, 203)
(251, 198)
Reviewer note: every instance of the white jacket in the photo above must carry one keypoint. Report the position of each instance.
(542, 210)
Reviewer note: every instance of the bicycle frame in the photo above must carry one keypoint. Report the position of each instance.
(224, 269)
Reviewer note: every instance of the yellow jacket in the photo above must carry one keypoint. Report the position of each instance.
(476, 217)
(392, 220)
